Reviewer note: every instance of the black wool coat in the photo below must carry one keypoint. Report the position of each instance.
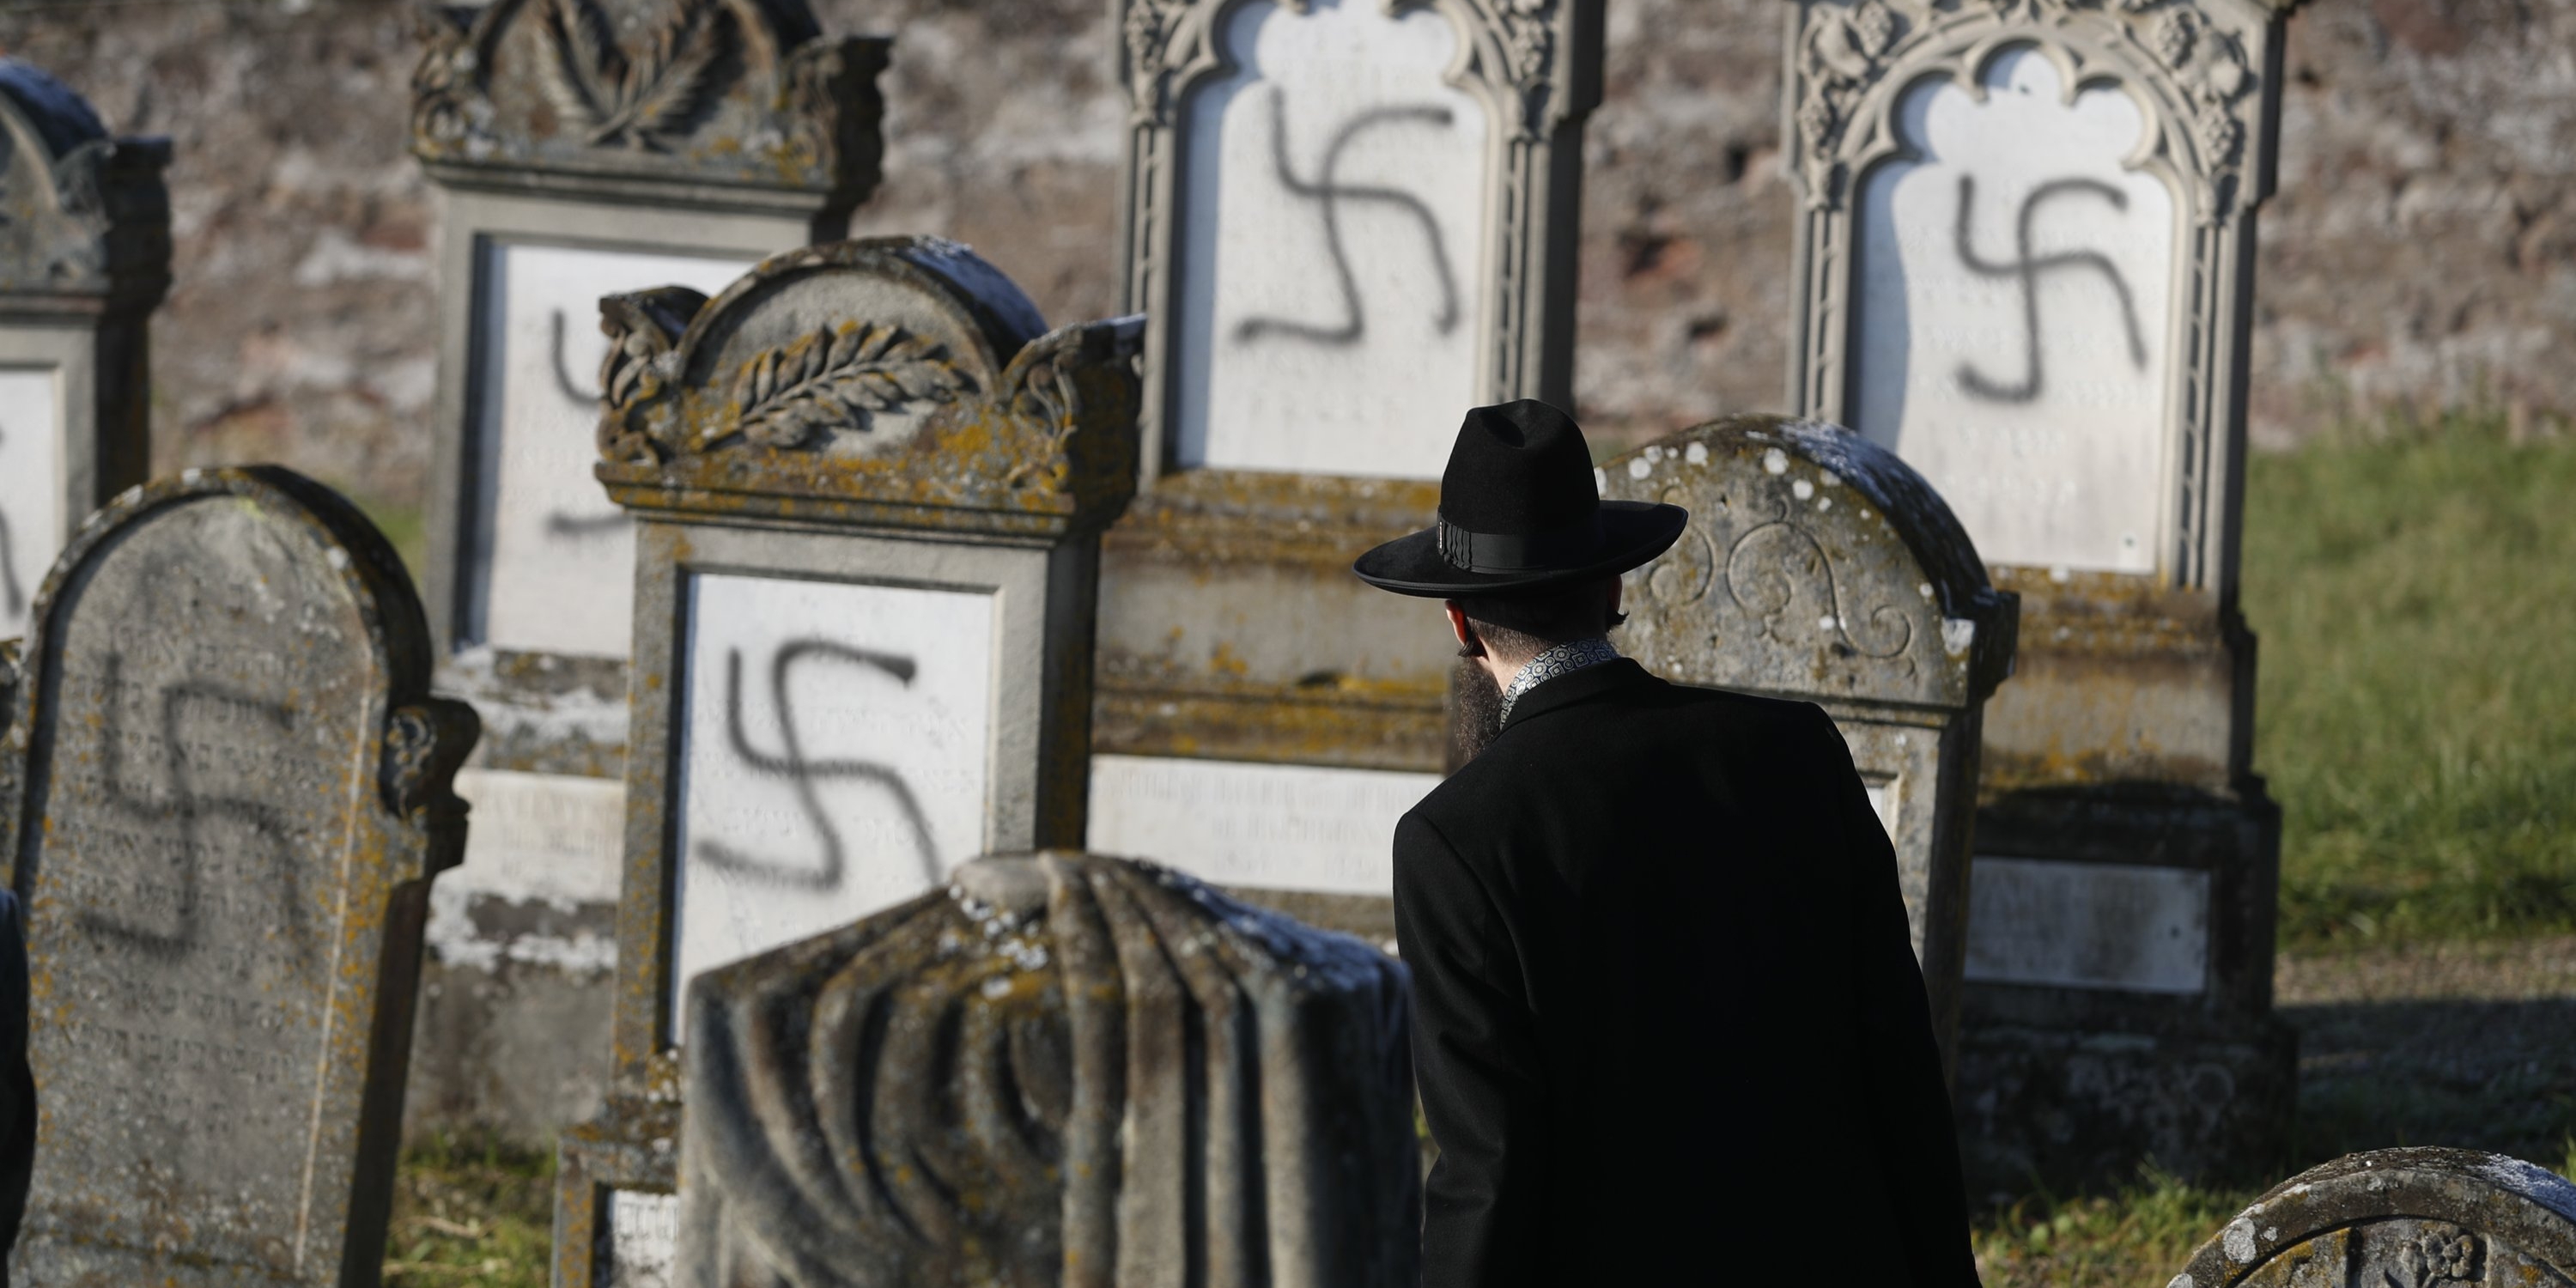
(1669, 1028)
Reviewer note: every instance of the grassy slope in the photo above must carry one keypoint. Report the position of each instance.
(2416, 597)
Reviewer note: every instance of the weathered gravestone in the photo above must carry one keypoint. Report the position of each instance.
(1817, 566)
(1061, 1070)
(580, 147)
(2025, 262)
(869, 489)
(228, 790)
(1347, 222)
(84, 257)
(2399, 1218)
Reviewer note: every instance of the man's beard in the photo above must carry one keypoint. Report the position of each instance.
(1475, 711)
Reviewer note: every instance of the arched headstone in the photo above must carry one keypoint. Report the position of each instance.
(2399, 1218)
(84, 259)
(581, 148)
(1818, 566)
(1062, 1069)
(227, 793)
(1346, 222)
(869, 486)
(2024, 263)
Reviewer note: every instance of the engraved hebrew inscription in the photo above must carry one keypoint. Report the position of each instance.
(30, 434)
(191, 867)
(835, 749)
(2012, 314)
(556, 572)
(1332, 248)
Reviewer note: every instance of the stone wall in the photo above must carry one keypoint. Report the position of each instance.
(2421, 254)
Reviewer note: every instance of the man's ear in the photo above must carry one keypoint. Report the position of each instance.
(1468, 644)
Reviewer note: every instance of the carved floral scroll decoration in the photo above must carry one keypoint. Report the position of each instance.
(1517, 49)
(631, 101)
(1768, 563)
(1846, 54)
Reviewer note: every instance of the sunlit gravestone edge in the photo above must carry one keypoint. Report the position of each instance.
(224, 835)
(869, 486)
(2024, 247)
(1346, 223)
(2399, 1218)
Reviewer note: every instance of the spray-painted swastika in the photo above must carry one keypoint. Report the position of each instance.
(2029, 267)
(1329, 194)
(561, 523)
(804, 776)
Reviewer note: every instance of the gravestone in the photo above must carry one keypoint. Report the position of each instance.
(1819, 567)
(227, 793)
(868, 487)
(2024, 262)
(2399, 1218)
(580, 147)
(84, 258)
(1346, 222)
(1061, 1069)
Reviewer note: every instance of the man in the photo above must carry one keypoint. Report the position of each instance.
(1669, 1028)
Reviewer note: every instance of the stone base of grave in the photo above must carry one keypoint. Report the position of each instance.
(2073, 1109)
(617, 1204)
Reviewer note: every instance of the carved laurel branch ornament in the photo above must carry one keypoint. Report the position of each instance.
(1846, 52)
(630, 101)
(1167, 39)
(739, 90)
(789, 395)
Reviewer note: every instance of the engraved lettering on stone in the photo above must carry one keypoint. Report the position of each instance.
(2029, 267)
(1327, 193)
(790, 764)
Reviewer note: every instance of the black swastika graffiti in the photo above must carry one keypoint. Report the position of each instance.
(223, 831)
(1329, 194)
(805, 776)
(2029, 268)
(561, 523)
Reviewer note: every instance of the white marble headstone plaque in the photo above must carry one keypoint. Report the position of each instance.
(31, 430)
(1333, 255)
(1258, 826)
(643, 1239)
(2088, 925)
(2012, 314)
(561, 570)
(835, 752)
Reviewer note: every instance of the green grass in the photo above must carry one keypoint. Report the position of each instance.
(472, 1212)
(2415, 590)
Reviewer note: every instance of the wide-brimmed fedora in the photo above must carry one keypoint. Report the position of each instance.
(1520, 511)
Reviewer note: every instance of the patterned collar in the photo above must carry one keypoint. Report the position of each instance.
(1564, 659)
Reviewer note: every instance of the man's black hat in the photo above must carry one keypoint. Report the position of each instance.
(1520, 512)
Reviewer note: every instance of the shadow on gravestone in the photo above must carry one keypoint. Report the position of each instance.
(2399, 1218)
(227, 792)
(1061, 1069)
(1820, 567)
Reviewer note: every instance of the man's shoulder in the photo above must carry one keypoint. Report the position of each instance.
(1657, 716)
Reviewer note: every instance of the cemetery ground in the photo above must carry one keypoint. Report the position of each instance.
(2414, 586)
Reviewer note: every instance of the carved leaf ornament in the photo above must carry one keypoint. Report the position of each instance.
(622, 100)
(788, 395)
